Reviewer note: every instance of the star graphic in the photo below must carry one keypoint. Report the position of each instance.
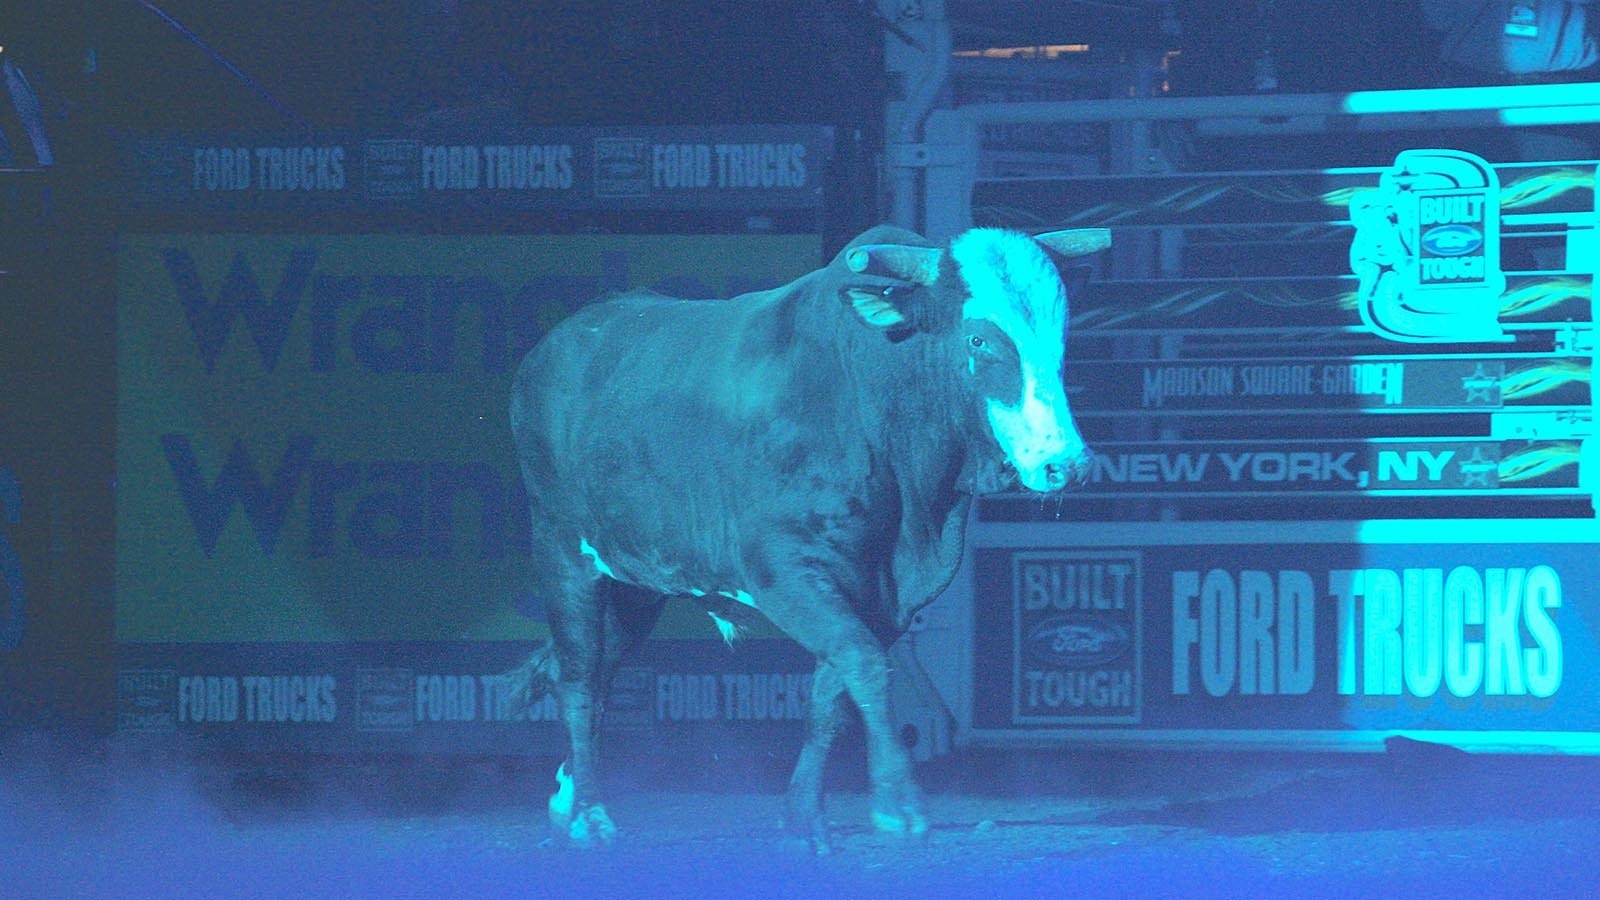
(1475, 469)
(1480, 385)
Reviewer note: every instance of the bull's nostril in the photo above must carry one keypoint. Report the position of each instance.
(1055, 475)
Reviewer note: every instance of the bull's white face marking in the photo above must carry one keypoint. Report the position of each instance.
(588, 550)
(741, 596)
(1014, 286)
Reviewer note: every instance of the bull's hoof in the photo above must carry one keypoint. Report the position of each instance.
(587, 827)
(803, 821)
(591, 827)
(812, 831)
(897, 809)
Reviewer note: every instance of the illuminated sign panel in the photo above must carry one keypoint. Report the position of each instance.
(1321, 385)
(1302, 488)
(1427, 249)
(1257, 638)
(1435, 467)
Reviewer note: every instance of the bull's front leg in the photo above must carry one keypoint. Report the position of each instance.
(803, 808)
(576, 631)
(823, 623)
(896, 801)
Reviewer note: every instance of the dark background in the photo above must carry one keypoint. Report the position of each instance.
(348, 63)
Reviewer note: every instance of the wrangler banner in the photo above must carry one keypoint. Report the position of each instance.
(314, 456)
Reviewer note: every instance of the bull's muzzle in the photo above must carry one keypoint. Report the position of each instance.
(1069, 472)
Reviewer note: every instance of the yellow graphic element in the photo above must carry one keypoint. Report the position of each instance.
(1343, 196)
(1186, 200)
(1545, 186)
(1543, 378)
(1541, 295)
(1531, 191)
(1537, 461)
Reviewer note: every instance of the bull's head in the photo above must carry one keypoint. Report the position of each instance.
(1012, 330)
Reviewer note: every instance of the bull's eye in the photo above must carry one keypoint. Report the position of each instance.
(976, 342)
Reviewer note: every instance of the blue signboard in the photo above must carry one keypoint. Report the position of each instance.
(1365, 631)
(1462, 382)
(614, 168)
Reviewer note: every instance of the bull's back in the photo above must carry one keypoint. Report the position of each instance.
(678, 438)
(639, 404)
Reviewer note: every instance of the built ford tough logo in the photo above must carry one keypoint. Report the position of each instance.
(1075, 634)
(1427, 249)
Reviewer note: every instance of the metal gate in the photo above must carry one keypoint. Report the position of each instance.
(1346, 479)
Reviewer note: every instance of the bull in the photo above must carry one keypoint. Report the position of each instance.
(809, 452)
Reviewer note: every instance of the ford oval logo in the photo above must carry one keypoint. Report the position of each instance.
(621, 168)
(1076, 641)
(1452, 240)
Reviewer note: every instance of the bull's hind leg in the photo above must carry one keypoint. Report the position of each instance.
(572, 604)
(594, 623)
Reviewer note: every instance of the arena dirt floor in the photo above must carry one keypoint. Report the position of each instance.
(1413, 822)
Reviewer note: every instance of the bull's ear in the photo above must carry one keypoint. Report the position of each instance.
(881, 308)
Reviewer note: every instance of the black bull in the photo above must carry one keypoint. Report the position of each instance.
(809, 452)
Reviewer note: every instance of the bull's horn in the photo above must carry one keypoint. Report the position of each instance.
(918, 265)
(1076, 241)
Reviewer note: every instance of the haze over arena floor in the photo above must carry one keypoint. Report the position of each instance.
(121, 822)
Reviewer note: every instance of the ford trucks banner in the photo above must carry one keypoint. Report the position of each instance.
(750, 167)
(320, 523)
(1281, 637)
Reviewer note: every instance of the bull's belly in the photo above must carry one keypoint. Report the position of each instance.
(679, 561)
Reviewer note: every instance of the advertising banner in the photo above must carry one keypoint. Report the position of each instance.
(448, 696)
(1416, 383)
(1373, 467)
(738, 167)
(1248, 403)
(315, 478)
(1270, 643)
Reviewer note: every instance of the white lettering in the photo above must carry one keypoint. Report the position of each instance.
(1423, 629)
(1254, 634)
(1072, 586)
(221, 169)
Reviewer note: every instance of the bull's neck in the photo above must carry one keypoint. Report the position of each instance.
(925, 415)
(905, 394)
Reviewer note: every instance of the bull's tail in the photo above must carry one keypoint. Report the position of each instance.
(528, 683)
